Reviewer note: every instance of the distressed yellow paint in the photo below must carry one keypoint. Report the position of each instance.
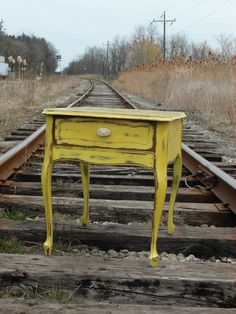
(85, 182)
(174, 139)
(108, 157)
(110, 113)
(46, 178)
(137, 137)
(123, 133)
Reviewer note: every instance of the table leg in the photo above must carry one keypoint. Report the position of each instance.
(160, 194)
(85, 173)
(47, 196)
(177, 172)
(160, 173)
(46, 178)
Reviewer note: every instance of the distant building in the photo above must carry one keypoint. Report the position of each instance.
(3, 67)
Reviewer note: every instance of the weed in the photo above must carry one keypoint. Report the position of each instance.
(103, 294)
(57, 295)
(20, 291)
(11, 245)
(8, 214)
(6, 293)
(26, 292)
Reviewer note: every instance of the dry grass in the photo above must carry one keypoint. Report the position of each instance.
(207, 89)
(21, 100)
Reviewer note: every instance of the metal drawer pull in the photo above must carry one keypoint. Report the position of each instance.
(103, 132)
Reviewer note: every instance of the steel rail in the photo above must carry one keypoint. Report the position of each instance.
(122, 97)
(216, 180)
(15, 157)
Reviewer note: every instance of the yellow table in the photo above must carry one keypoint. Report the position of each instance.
(105, 136)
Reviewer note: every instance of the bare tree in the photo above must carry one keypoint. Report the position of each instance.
(152, 33)
(201, 51)
(144, 48)
(227, 46)
(178, 45)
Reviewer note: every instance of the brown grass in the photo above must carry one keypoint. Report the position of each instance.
(21, 100)
(207, 89)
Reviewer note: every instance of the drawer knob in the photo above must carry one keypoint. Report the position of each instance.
(103, 132)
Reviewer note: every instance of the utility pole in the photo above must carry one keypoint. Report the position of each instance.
(164, 21)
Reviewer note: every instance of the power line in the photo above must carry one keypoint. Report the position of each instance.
(209, 14)
(190, 9)
(206, 16)
(173, 4)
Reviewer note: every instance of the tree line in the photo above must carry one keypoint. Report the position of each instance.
(144, 46)
(29, 53)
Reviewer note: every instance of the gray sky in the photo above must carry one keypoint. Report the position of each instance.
(72, 25)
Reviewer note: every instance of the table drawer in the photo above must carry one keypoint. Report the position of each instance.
(110, 133)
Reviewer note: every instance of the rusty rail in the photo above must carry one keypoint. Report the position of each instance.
(13, 159)
(216, 180)
(122, 97)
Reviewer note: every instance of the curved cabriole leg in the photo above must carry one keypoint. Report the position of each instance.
(160, 172)
(160, 194)
(177, 172)
(47, 196)
(85, 172)
(46, 179)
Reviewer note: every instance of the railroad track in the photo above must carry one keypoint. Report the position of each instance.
(103, 267)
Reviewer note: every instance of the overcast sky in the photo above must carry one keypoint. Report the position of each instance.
(72, 25)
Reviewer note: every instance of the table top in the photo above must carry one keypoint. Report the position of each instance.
(129, 114)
